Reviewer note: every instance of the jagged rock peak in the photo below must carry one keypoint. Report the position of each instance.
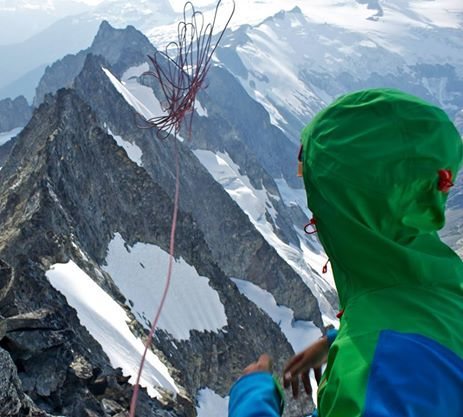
(296, 10)
(282, 14)
(64, 111)
(14, 113)
(107, 33)
(121, 48)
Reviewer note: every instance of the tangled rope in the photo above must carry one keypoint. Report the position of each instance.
(180, 77)
(182, 68)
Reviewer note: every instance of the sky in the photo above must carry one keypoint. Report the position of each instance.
(177, 5)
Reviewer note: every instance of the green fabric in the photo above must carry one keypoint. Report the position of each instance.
(370, 167)
(281, 393)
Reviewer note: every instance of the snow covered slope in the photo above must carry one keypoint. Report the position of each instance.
(139, 272)
(296, 62)
(257, 204)
(107, 323)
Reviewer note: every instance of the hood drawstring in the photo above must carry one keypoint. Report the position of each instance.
(445, 180)
(325, 267)
(311, 223)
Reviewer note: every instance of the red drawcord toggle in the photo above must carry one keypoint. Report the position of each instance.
(445, 180)
(325, 267)
(312, 223)
(339, 315)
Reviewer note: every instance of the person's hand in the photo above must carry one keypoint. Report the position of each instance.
(263, 364)
(300, 365)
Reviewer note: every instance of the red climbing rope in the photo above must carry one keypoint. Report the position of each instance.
(133, 402)
(180, 78)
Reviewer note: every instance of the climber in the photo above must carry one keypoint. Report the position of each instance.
(378, 165)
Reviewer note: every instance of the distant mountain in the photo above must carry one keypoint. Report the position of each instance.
(25, 85)
(294, 66)
(419, 34)
(112, 44)
(14, 113)
(33, 16)
(69, 35)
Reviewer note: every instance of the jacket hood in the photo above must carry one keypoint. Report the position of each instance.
(372, 165)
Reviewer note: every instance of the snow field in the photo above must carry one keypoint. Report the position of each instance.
(140, 97)
(211, 404)
(133, 151)
(107, 321)
(140, 273)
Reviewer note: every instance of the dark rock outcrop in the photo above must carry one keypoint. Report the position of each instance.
(13, 401)
(373, 5)
(5, 151)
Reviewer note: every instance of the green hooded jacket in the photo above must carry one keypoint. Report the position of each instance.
(372, 168)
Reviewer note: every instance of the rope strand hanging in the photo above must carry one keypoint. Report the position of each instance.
(180, 77)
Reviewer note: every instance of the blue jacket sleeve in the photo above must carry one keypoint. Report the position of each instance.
(255, 395)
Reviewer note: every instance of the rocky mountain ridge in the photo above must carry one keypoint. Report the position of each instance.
(261, 151)
(57, 208)
(44, 223)
(58, 353)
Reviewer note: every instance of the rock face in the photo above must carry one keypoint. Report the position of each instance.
(13, 401)
(14, 113)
